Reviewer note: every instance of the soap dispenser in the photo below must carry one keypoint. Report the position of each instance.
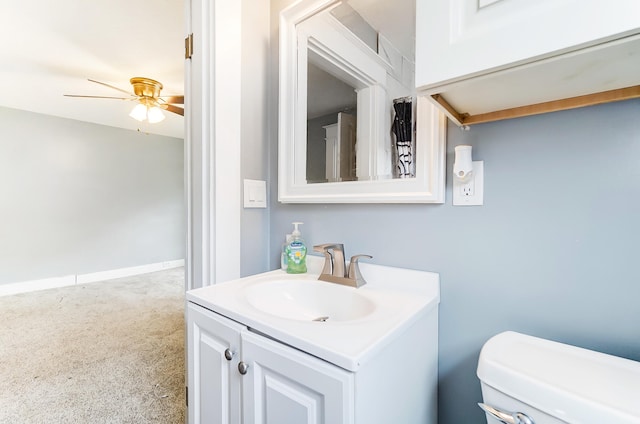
(283, 252)
(296, 252)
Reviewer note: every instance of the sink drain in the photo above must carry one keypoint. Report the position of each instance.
(320, 319)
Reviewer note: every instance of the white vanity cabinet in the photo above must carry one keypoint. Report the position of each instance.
(278, 348)
(489, 55)
(213, 345)
(285, 386)
(237, 376)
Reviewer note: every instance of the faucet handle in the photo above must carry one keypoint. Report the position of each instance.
(334, 258)
(354, 270)
(327, 249)
(328, 246)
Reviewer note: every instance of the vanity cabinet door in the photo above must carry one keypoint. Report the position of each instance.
(462, 38)
(285, 386)
(213, 344)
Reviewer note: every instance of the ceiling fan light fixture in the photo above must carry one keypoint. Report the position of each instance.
(139, 112)
(146, 92)
(154, 115)
(146, 87)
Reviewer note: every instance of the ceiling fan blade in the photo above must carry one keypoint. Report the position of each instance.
(111, 86)
(178, 100)
(100, 97)
(174, 109)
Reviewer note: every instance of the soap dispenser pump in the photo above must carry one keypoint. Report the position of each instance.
(296, 252)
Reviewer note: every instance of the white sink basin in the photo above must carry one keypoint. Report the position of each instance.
(340, 324)
(308, 300)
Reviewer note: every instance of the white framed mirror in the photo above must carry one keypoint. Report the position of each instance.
(351, 129)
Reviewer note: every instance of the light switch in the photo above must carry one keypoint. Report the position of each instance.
(255, 194)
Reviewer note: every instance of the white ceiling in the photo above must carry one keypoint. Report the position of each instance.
(50, 48)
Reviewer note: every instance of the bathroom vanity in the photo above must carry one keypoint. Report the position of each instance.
(276, 348)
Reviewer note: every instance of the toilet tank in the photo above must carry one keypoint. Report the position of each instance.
(553, 383)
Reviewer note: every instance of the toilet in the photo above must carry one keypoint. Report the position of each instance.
(528, 380)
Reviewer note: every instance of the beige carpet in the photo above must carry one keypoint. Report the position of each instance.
(106, 352)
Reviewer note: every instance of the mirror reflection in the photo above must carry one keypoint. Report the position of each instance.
(331, 128)
(360, 91)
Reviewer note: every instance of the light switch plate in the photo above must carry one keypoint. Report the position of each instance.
(255, 194)
(470, 193)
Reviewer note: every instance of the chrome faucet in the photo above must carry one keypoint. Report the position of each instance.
(334, 266)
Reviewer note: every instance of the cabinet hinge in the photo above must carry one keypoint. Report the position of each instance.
(188, 46)
(186, 395)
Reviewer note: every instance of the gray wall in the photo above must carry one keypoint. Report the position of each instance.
(77, 198)
(552, 252)
(254, 131)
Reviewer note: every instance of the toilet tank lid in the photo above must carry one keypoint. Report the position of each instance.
(570, 383)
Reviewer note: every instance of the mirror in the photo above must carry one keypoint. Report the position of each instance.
(332, 106)
(350, 127)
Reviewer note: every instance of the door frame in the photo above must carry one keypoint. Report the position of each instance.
(212, 142)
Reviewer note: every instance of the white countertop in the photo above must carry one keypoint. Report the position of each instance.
(401, 296)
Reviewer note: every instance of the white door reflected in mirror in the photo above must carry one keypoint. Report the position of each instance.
(340, 151)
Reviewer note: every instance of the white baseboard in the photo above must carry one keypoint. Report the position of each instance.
(127, 272)
(70, 280)
(35, 285)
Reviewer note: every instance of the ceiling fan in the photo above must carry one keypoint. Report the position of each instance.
(146, 92)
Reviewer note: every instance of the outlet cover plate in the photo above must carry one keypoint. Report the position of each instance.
(470, 193)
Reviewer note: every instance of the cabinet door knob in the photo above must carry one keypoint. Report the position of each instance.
(228, 354)
(243, 368)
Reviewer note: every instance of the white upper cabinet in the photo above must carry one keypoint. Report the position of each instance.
(458, 38)
(482, 56)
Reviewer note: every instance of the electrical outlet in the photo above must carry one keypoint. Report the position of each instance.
(470, 193)
(468, 189)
